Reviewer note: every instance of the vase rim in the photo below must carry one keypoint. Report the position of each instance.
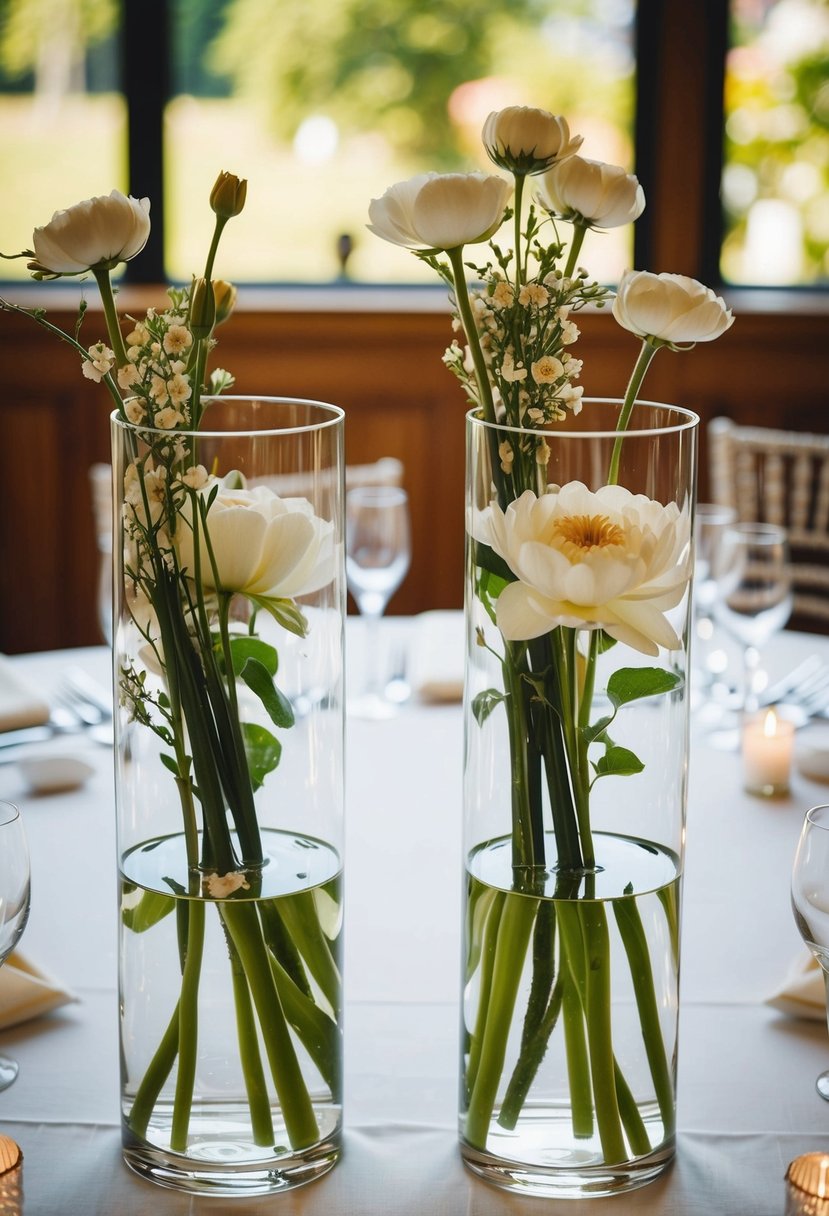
(333, 416)
(686, 421)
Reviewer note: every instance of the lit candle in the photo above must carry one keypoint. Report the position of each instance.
(768, 743)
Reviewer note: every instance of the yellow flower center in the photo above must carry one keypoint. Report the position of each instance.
(588, 531)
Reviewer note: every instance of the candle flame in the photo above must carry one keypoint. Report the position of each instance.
(770, 724)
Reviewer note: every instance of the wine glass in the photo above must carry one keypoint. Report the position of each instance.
(810, 898)
(754, 598)
(377, 555)
(710, 523)
(14, 899)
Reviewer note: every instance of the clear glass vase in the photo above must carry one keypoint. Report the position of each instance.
(228, 670)
(576, 740)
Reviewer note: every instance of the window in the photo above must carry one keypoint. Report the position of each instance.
(775, 184)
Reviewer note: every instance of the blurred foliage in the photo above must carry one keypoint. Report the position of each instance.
(777, 139)
(32, 31)
(392, 66)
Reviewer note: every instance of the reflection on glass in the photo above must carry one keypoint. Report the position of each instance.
(775, 185)
(810, 898)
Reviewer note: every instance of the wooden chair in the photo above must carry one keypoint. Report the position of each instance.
(780, 477)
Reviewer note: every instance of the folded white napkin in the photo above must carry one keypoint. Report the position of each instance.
(437, 652)
(20, 704)
(25, 992)
(803, 992)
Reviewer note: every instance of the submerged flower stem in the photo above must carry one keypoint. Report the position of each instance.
(188, 1028)
(158, 1070)
(245, 930)
(249, 1057)
(598, 1018)
(513, 937)
(647, 352)
(489, 942)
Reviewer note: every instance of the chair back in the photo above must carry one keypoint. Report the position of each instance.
(780, 477)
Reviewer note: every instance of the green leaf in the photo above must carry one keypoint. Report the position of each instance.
(632, 683)
(170, 763)
(263, 752)
(285, 612)
(485, 702)
(260, 681)
(244, 648)
(488, 560)
(148, 911)
(605, 642)
(619, 762)
(596, 730)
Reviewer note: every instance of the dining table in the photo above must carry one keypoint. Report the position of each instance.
(747, 1104)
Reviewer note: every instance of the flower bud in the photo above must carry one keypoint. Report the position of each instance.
(202, 308)
(227, 198)
(224, 294)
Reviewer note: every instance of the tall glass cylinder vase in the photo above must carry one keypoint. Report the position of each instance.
(228, 669)
(576, 744)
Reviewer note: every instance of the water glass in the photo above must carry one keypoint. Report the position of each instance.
(810, 898)
(14, 899)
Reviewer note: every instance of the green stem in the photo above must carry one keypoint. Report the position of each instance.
(632, 933)
(513, 938)
(489, 945)
(249, 1056)
(574, 1003)
(299, 915)
(471, 330)
(221, 220)
(188, 1027)
(598, 1017)
(158, 1070)
(669, 898)
(632, 1120)
(579, 230)
(318, 1033)
(519, 195)
(116, 338)
(530, 1060)
(527, 829)
(634, 384)
(300, 1121)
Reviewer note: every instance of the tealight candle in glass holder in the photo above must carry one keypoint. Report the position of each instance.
(767, 748)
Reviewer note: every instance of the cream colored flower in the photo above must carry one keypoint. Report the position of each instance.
(569, 333)
(96, 234)
(158, 390)
(195, 477)
(134, 410)
(525, 140)
(263, 545)
(670, 308)
(533, 295)
(589, 191)
(128, 375)
(178, 387)
(607, 560)
(100, 361)
(168, 419)
(511, 373)
(507, 455)
(503, 295)
(547, 370)
(177, 339)
(440, 211)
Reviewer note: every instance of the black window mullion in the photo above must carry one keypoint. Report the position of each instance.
(146, 66)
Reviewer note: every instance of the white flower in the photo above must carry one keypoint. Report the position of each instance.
(134, 409)
(263, 545)
(571, 395)
(547, 369)
(100, 361)
(128, 375)
(195, 477)
(569, 333)
(600, 195)
(440, 211)
(670, 308)
(95, 234)
(525, 140)
(167, 419)
(607, 560)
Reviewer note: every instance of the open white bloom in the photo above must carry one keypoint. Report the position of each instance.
(607, 560)
(440, 210)
(589, 191)
(525, 140)
(670, 308)
(95, 234)
(263, 545)
(100, 361)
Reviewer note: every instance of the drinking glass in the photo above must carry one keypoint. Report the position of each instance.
(754, 598)
(14, 899)
(710, 523)
(377, 555)
(810, 898)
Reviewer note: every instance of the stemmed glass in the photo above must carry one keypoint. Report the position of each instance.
(810, 898)
(377, 555)
(754, 598)
(14, 899)
(710, 523)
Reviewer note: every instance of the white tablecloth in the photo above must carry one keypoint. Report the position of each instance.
(747, 1103)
